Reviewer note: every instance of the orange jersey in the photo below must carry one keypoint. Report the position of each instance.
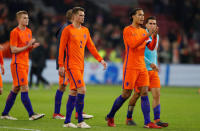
(74, 41)
(1, 58)
(135, 40)
(20, 38)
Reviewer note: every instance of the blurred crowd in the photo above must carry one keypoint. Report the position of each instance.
(178, 22)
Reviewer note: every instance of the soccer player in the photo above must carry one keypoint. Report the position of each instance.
(63, 81)
(152, 67)
(74, 38)
(134, 70)
(2, 71)
(21, 42)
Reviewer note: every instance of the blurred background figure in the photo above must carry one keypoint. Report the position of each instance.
(38, 57)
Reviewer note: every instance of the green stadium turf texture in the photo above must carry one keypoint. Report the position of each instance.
(180, 107)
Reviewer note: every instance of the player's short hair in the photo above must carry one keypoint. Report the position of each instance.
(133, 12)
(150, 18)
(21, 12)
(69, 14)
(76, 9)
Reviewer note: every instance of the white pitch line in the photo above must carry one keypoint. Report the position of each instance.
(15, 128)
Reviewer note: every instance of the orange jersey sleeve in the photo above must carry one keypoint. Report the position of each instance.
(90, 45)
(63, 45)
(132, 39)
(14, 38)
(1, 58)
(152, 44)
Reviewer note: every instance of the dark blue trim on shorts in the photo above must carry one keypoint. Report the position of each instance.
(72, 77)
(64, 80)
(17, 75)
(125, 67)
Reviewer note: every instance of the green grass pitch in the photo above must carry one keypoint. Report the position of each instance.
(179, 106)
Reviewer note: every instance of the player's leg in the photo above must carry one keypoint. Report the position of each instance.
(119, 101)
(41, 78)
(70, 107)
(85, 116)
(12, 95)
(143, 83)
(58, 97)
(71, 102)
(131, 106)
(9, 103)
(23, 80)
(155, 89)
(129, 78)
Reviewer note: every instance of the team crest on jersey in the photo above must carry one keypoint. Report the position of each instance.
(85, 36)
(22, 79)
(127, 83)
(79, 81)
(143, 34)
(29, 36)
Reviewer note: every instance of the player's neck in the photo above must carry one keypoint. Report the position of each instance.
(21, 27)
(76, 25)
(135, 25)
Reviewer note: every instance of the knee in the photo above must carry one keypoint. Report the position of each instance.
(72, 92)
(16, 89)
(156, 96)
(81, 90)
(144, 93)
(24, 88)
(126, 95)
(62, 88)
(136, 95)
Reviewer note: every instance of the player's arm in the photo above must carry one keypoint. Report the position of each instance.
(152, 65)
(91, 47)
(132, 39)
(151, 45)
(1, 63)
(147, 61)
(63, 44)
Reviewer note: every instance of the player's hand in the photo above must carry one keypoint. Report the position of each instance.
(104, 64)
(154, 67)
(61, 71)
(2, 70)
(1, 91)
(30, 43)
(156, 31)
(35, 45)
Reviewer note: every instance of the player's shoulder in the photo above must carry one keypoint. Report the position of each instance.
(127, 27)
(67, 27)
(28, 29)
(85, 28)
(15, 30)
